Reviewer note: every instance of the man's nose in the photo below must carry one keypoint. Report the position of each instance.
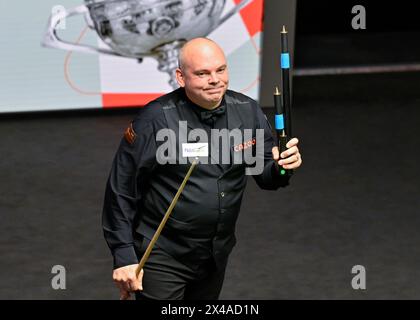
(214, 78)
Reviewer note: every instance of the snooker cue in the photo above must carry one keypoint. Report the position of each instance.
(165, 218)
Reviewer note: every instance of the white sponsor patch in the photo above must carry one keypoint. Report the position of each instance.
(195, 150)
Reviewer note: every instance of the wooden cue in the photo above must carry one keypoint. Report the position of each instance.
(165, 218)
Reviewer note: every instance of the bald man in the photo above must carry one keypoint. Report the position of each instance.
(189, 258)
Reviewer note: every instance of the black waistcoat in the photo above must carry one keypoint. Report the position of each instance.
(202, 223)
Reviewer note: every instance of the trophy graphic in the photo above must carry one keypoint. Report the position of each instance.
(143, 28)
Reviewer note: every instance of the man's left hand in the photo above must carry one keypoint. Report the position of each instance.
(290, 158)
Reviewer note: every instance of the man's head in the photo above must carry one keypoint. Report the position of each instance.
(203, 72)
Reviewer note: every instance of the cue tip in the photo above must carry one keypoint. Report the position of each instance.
(283, 30)
(277, 91)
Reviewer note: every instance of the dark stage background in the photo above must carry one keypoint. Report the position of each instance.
(355, 201)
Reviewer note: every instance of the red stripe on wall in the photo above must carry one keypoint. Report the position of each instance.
(115, 100)
(252, 15)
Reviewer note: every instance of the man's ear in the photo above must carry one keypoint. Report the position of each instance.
(179, 77)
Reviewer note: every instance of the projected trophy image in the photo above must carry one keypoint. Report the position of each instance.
(143, 28)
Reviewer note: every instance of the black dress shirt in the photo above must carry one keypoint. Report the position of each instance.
(139, 189)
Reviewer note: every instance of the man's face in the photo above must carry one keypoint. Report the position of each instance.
(204, 76)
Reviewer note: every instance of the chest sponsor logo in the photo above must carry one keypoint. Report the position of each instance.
(195, 150)
(245, 145)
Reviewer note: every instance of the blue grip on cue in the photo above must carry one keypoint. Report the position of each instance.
(285, 61)
(279, 121)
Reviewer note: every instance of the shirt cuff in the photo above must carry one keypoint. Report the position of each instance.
(124, 256)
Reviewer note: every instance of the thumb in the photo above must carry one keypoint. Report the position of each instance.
(275, 152)
(140, 280)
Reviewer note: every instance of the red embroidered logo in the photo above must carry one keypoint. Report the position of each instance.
(245, 145)
(129, 134)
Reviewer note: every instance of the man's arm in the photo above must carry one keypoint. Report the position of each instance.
(135, 157)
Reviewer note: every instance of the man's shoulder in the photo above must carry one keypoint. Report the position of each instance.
(153, 112)
(239, 98)
(171, 98)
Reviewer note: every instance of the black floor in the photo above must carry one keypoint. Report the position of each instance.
(355, 201)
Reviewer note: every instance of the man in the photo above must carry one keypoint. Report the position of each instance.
(189, 258)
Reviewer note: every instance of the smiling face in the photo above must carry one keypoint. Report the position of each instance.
(203, 72)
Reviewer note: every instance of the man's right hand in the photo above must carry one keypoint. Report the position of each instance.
(126, 280)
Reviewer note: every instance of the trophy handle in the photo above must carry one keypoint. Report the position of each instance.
(235, 10)
(52, 40)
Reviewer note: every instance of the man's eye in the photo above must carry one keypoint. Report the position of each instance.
(221, 70)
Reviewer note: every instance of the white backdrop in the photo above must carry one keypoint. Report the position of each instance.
(33, 77)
